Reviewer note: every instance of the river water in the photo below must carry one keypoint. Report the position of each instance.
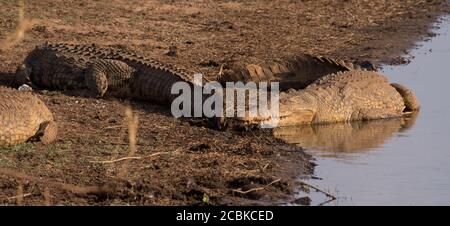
(390, 162)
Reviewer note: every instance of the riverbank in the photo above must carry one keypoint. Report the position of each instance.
(181, 163)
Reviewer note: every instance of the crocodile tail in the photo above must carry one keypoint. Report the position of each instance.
(335, 64)
(292, 73)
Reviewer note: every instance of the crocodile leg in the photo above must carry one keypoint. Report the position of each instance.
(411, 102)
(109, 75)
(46, 133)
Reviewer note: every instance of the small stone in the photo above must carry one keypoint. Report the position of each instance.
(304, 201)
(172, 51)
(25, 88)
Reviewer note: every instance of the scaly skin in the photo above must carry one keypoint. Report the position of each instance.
(56, 66)
(293, 73)
(110, 76)
(24, 117)
(340, 97)
(99, 69)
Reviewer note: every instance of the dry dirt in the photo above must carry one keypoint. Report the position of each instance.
(183, 163)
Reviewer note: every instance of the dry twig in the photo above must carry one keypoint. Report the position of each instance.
(20, 196)
(19, 33)
(256, 189)
(319, 190)
(133, 124)
(129, 158)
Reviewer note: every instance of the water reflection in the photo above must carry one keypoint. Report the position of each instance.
(345, 137)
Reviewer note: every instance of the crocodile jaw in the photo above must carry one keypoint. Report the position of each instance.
(298, 117)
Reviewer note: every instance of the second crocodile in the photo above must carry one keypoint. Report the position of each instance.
(100, 70)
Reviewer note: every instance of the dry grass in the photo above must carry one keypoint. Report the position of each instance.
(19, 33)
(133, 123)
(20, 195)
(47, 196)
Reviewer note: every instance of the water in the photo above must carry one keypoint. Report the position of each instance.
(390, 162)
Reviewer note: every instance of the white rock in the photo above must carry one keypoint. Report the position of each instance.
(25, 88)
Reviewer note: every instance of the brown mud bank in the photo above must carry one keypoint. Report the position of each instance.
(97, 159)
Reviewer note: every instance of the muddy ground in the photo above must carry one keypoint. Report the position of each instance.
(180, 162)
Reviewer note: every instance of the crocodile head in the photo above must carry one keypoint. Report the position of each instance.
(23, 74)
(295, 113)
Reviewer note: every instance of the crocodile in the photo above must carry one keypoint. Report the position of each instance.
(294, 72)
(315, 89)
(120, 73)
(344, 96)
(24, 117)
(101, 70)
